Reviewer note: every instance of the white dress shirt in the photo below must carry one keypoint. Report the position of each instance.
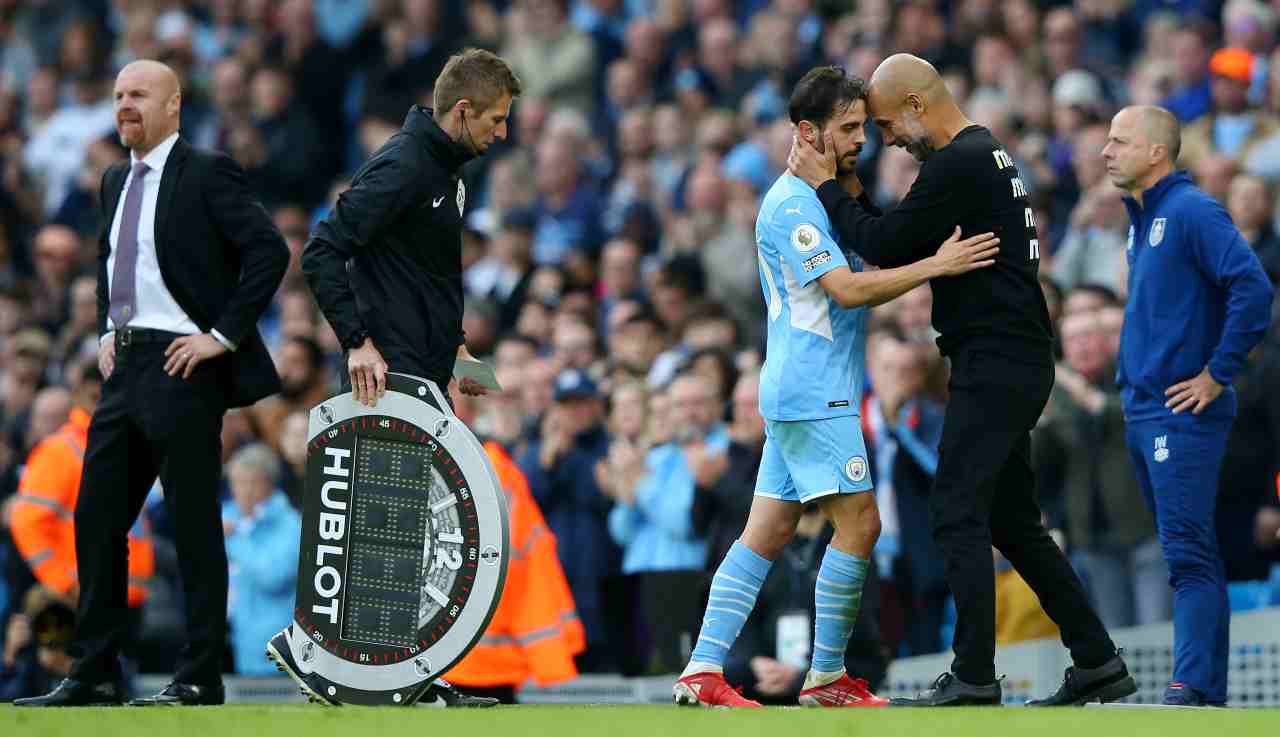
(155, 306)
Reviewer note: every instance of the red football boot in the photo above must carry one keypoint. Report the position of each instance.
(842, 692)
(710, 690)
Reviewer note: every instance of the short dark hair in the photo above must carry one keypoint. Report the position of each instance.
(476, 75)
(521, 338)
(822, 92)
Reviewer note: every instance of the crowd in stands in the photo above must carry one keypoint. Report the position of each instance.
(612, 281)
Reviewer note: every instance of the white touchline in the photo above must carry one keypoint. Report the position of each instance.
(444, 504)
(436, 594)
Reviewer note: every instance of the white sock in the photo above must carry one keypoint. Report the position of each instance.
(815, 678)
(696, 667)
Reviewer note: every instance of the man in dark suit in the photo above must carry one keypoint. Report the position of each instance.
(187, 264)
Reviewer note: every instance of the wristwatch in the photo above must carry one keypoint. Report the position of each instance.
(355, 339)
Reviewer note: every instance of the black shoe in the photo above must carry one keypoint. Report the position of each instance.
(948, 690)
(441, 693)
(1108, 682)
(279, 652)
(79, 693)
(185, 694)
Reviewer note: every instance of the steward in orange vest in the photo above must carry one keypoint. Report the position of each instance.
(42, 522)
(536, 631)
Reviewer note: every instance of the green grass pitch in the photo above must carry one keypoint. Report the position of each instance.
(626, 721)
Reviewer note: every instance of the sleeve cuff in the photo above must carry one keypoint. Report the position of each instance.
(1220, 376)
(110, 334)
(223, 340)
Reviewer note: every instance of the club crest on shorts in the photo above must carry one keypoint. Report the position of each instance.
(856, 468)
(1156, 236)
(1161, 453)
(462, 196)
(805, 238)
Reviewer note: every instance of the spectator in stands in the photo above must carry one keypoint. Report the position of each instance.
(80, 329)
(1111, 536)
(80, 209)
(293, 454)
(293, 223)
(1192, 95)
(229, 95)
(35, 644)
(552, 57)
(574, 345)
(652, 518)
(305, 381)
(279, 145)
(1251, 202)
(58, 255)
(49, 411)
(503, 275)
(561, 469)
(1094, 247)
(57, 151)
(902, 429)
(317, 73)
(41, 522)
(1250, 466)
(721, 500)
(262, 532)
(568, 206)
(1234, 125)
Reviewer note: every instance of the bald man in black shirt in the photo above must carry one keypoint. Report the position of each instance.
(995, 328)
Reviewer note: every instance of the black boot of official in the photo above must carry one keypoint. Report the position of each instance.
(1108, 682)
(948, 690)
(185, 694)
(71, 692)
(442, 693)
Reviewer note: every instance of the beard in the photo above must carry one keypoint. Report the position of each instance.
(920, 149)
(293, 390)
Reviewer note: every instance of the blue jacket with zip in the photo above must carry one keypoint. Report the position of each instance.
(1198, 297)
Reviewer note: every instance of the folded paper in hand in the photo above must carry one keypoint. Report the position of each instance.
(478, 371)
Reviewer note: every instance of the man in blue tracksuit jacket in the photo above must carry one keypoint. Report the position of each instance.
(1199, 301)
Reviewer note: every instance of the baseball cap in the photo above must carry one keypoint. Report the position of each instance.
(574, 384)
(1077, 88)
(1234, 64)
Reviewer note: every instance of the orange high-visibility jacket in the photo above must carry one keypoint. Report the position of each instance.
(536, 631)
(42, 523)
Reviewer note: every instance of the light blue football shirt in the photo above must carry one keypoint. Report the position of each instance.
(815, 359)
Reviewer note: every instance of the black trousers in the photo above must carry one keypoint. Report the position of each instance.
(984, 495)
(150, 424)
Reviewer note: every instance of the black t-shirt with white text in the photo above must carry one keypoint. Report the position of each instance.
(971, 182)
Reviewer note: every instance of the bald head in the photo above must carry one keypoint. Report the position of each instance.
(904, 74)
(912, 106)
(1159, 126)
(1142, 147)
(148, 102)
